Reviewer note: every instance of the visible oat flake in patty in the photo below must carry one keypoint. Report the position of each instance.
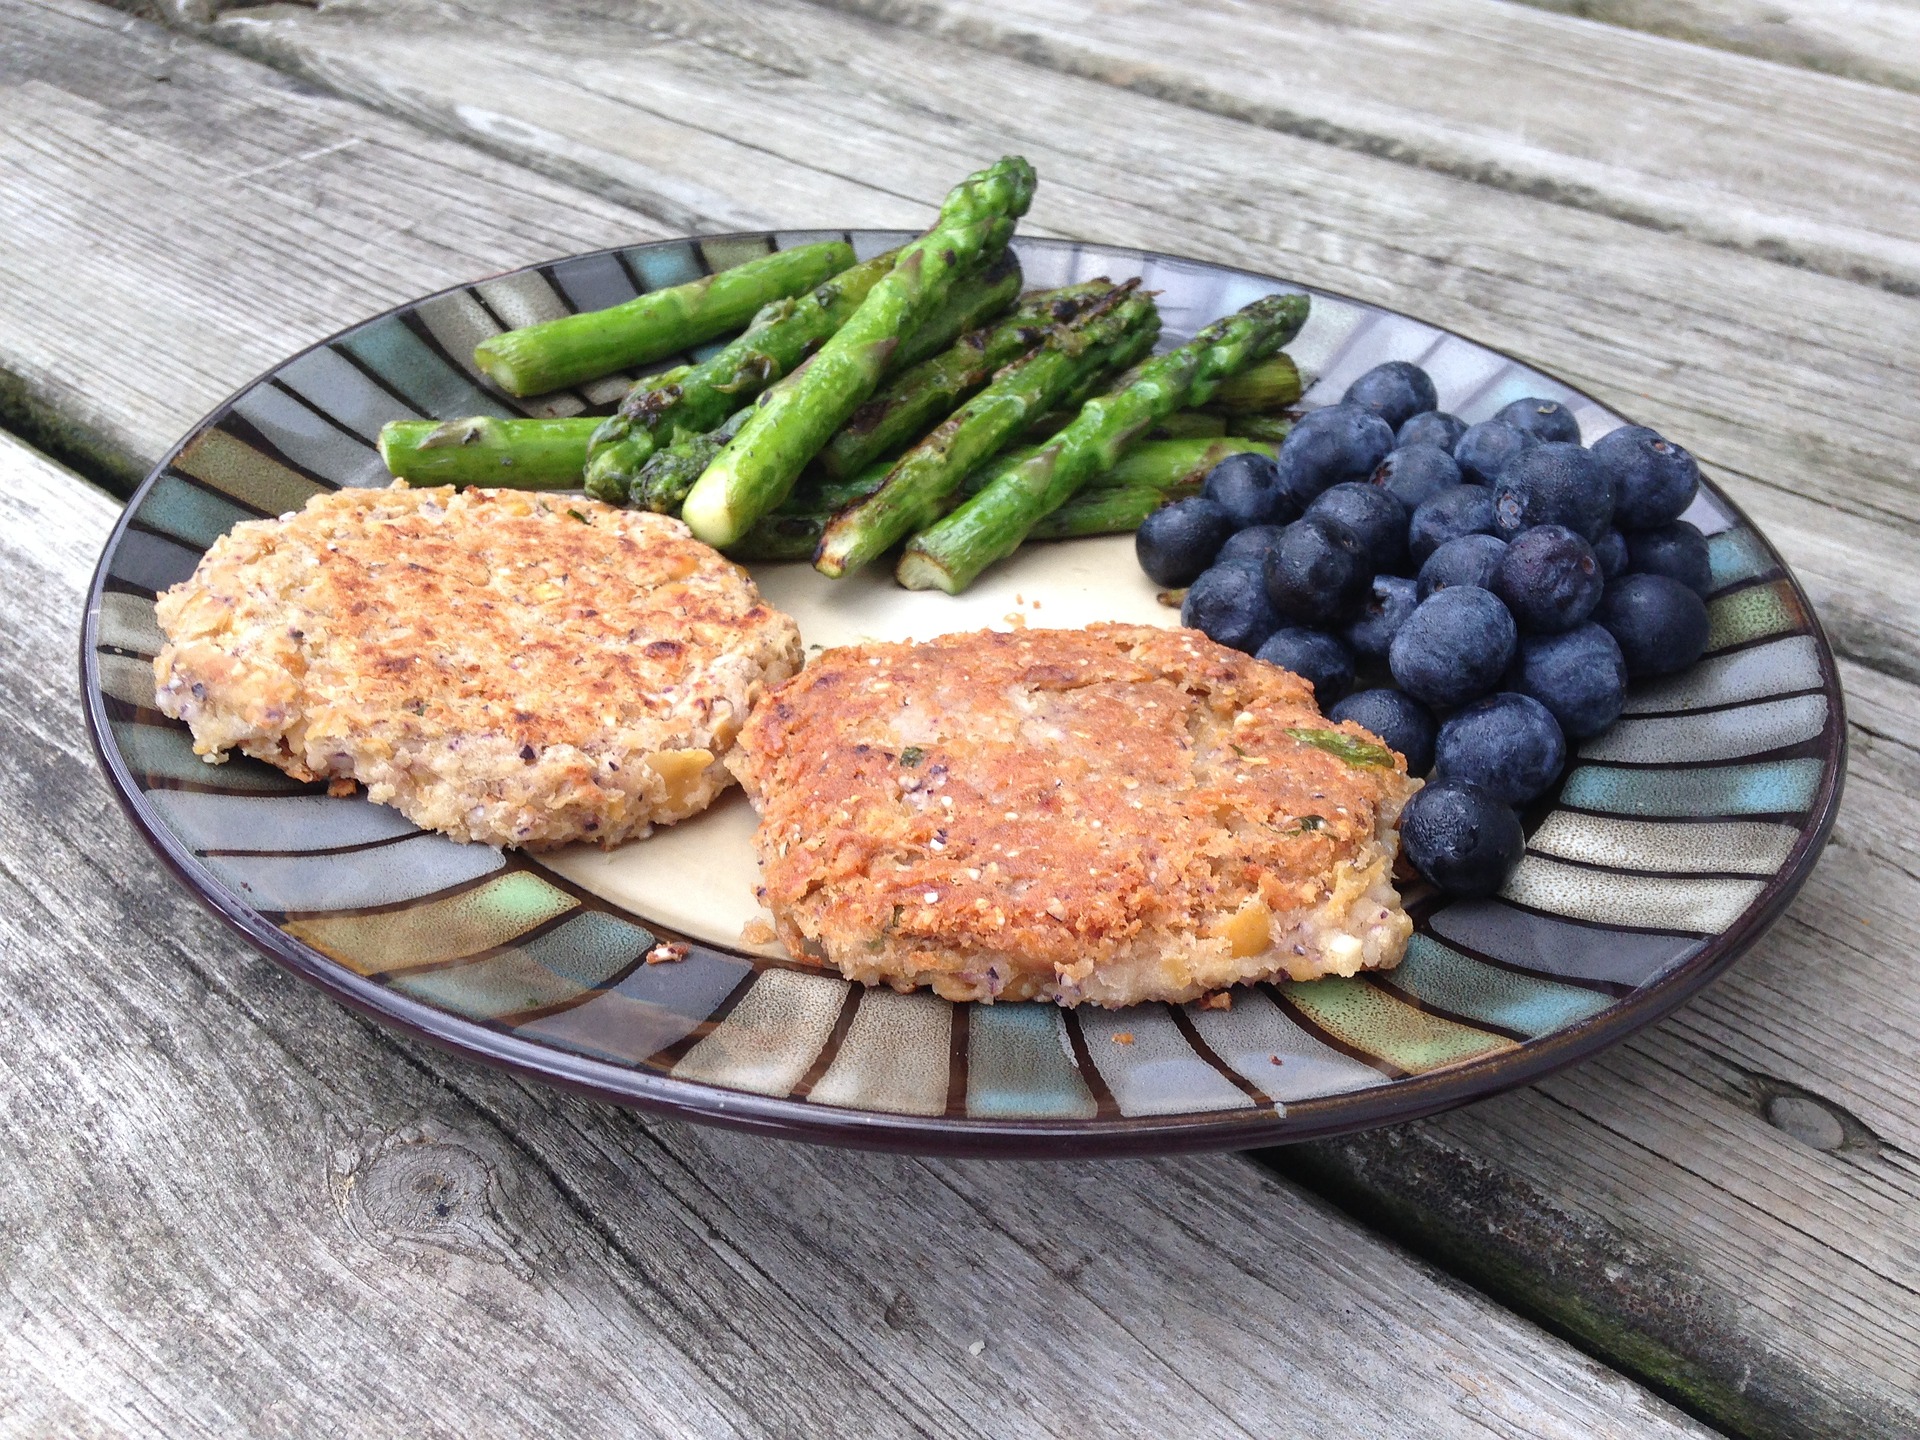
(1109, 815)
(509, 668)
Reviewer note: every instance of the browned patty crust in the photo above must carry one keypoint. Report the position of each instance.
(1115, 814)
(510, 668)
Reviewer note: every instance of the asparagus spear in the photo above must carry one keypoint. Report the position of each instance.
(1166, 468)
(798, 416)
(1110, 510)
(921, 482)
(1273, 384)
(663, 482)
(543, 357)
(1270, 428)
(1190, 425)
(905, 409)
(779, 340)
(977, 296)
(1157, 464)
(781, 336)
(992, 524)
(483, 450)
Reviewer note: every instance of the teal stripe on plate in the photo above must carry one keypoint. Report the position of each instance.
(1149, 1066)
(1020, 1065)
(189, 513)
(594, 282)
(405, 870)
(1440, 976)
(1552, 946)
(1775, 668)
(1736, 555)
(151, 562)
(655, 1006)
(404, 361)
(667, 266)
(1770, 787)
(309, 441)
(281, 822)
(329, 382)
(166, 752)
(550, 969)
(128, 679)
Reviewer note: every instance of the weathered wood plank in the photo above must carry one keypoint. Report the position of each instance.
(226, 1207)
(1793, 165)
(1873, 40)
(230, 216)
(1748, 363)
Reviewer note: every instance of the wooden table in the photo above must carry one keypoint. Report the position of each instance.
(229, 1207)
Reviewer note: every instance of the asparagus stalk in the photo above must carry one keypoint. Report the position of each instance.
(663, 482)
(574, 348)
(484, 450)
(1270, 428)
(798, 416)
(992, 524)
(977, 296)
(1157, 464)
(905, 409)
(1271, 385)
(1190, 425)
(1164, 469)
(1109, 510)
(780, 337)
(919, 485)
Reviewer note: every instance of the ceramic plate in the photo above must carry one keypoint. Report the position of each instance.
(1671, 843)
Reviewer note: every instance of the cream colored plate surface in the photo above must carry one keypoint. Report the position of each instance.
(698, 877)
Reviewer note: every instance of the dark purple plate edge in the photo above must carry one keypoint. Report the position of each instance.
(1412, 1098)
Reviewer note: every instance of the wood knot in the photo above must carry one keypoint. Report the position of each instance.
(415, 1192)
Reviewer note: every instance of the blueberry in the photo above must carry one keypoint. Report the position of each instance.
(1549, 579)
(1176, 542)
(1509, 745)
(1433, 427)
(1463, 560)
(1454, 647)
(1249, 545)
(1341, 442)
(1611, 551)
(1553, 484)
(1316, 575)
(1397, 718)
(1312, 655)
(1484, 450)
(1654, 479)
(1395, 391)
(1229, 605)
(1461, 838)
(1377, 519)
(1660, 624)
(1579, 676)
(1414, 472)
(1381, 615)
(1542, 419)
(1463, 510)
(1247, 487)
(1677, 550)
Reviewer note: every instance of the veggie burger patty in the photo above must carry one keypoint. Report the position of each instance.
(506, 667)
(1111, 815)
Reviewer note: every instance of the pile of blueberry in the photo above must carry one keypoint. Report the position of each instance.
(1507, 579)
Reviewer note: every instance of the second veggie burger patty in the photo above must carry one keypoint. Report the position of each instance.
(1109, 815)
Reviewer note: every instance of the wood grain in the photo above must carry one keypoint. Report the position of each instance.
(1748, 363)
(1795, 166)
(229, 1208)
(224, 217)
(1873, 40)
